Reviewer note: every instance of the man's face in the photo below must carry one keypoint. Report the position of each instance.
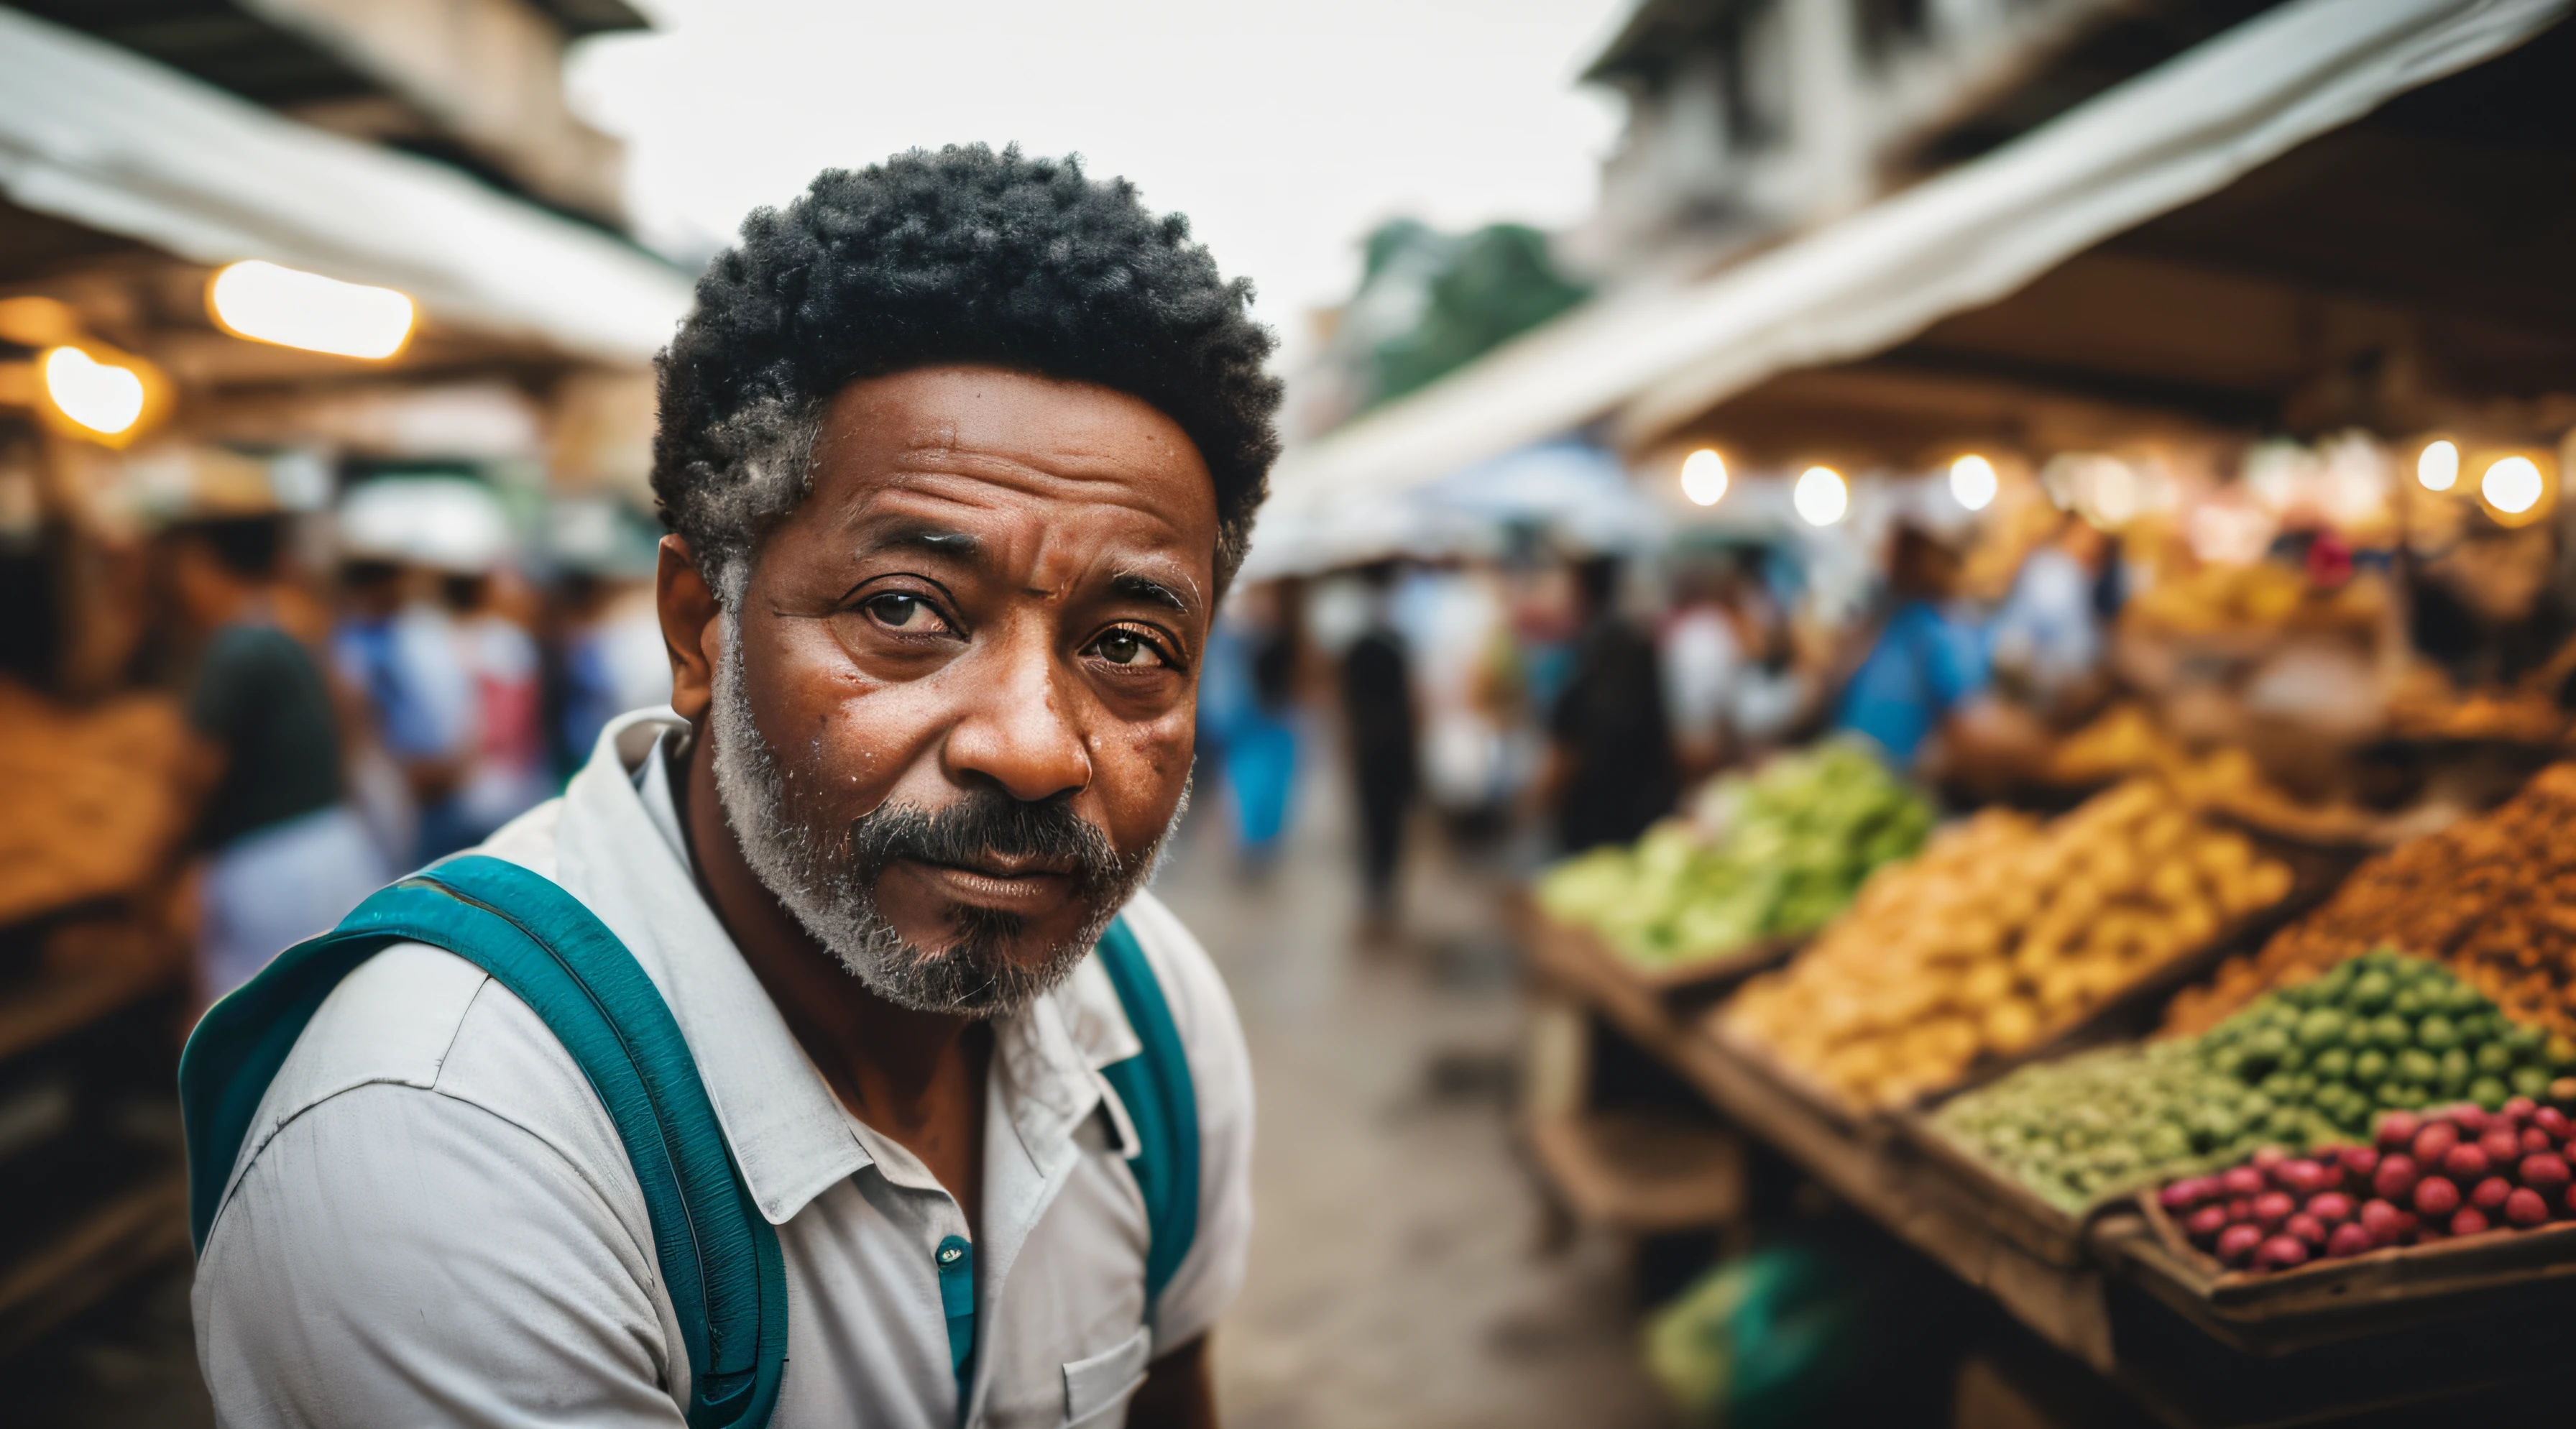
(954, 719)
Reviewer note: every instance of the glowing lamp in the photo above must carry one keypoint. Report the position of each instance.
(2438, 469)
(1973, 482)
(1820, 496)
(1704, 477)
(267, 303)
(100, 397)
(2513, 485)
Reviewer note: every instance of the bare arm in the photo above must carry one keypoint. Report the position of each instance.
(1177, 1393)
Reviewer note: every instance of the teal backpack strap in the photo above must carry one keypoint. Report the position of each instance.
(719, 1258)
(1162, 1105)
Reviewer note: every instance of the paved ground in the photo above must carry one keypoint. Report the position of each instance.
(1392, 1280)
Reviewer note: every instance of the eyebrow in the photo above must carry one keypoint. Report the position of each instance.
(1145, 588)
(937, 540)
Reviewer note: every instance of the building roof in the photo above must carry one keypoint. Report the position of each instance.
(111, 141)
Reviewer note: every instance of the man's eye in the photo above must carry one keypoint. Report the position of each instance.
(1126, 647)
(898, 611)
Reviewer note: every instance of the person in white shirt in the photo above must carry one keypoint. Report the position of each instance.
(958, 453)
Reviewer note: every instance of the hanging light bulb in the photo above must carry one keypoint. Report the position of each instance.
(100, 396)
(1820, 496)
(1704, 477)
(296, 309)
(2512, 486)
(2438, 469)
(1973, 481)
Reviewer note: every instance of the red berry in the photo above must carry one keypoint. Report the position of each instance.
(2382, 1220)
(2550, 1119)
(2397, 1130)
(2409, 1225)
(2240, 1209)
(2358, 1163)
(2206, 1223)
(2488, 1195)
(2267, 1157)
(2436, 1197)
(2525, 1208)
(2242, 1181)
(2282, 1252)
(2434, 1142)
(2349, 1239)
(2330, 1207)
(2535, 1139)
(2273, 1207)
(2182, 1195)
(2468, 1117)
(2236, 1244)
(2302, 1178)
(2520, 1109)
(2396, 1176)
(2307, 1228)
(2468, 1220)
(2500, 1144)
(2544, 1171)
(2465, 1163)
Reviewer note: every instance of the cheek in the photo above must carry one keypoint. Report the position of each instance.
(1146, 766)
(850, 739)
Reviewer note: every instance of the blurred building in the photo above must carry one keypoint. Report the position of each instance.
(1748, 119)
(250, 254)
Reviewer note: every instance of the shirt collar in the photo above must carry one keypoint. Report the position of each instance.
(620, 849)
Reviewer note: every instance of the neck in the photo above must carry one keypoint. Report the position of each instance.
(902, 1072)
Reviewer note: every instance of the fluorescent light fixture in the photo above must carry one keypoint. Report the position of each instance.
(1704, 477)
(1820, 496)
(2439, 467)
(1973, 481)
(2512, 485)
(101, 396)
(267, 303)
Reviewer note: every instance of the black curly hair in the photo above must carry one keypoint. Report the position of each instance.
(963, 256)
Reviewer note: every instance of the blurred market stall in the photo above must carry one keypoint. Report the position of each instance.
(228, 292)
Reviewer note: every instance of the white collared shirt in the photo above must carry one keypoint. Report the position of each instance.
(433, 1220)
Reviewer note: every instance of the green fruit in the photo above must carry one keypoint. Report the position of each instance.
(2371, 991)
(2405, 1003)
(2463, 999)
(2528, 1081)
(2414, 1064)
(2392, 1031)
(2294, 1060)
(2332, 1065)
(2320, 1028)
(2561, 1053)
(2370, 1068)
(2492, 1059)
(2526, 1041)
(2488, 1092)
(2436, 1033)
(2278, 1087)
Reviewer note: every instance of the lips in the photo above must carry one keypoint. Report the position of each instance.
(1001, 884)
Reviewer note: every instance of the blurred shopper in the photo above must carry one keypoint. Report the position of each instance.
(1701, 653)
(1379, 721)
(2047, 639)
(609, 659)
(400, 654)
(285, 856)
(1244, 727)
(1925, 663)
(504, 772)
(1611, 759)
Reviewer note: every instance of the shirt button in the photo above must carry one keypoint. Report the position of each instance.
(949, 1254)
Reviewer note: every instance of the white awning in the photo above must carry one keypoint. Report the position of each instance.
(2177, 133)
(112, 141)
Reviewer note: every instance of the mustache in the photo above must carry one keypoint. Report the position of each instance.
(988, 823)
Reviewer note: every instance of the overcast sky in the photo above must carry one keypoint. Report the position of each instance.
(1284, 130)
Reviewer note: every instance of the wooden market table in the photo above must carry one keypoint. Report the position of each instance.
(2105, 1292)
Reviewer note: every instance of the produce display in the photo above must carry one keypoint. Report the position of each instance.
(2302, 1067)
(1772, 855)
(2493, 897)
(2227, 600)
(2005, 932)
(94, 797)
(2459, 1171)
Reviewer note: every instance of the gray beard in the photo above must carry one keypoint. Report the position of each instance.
(806, 865)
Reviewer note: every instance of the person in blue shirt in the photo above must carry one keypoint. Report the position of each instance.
(1925, 663)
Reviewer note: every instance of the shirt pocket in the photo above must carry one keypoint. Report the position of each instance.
(1096, 1390)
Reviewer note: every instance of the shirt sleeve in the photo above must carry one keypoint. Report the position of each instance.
(1954, 661)
(1221, 1080)
(398, 1256)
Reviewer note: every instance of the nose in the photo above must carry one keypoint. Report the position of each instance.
(1017, 730)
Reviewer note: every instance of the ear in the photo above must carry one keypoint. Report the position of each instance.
(689, 612)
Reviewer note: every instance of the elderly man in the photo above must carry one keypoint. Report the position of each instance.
(957, 454)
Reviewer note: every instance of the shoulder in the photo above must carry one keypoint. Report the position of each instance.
(1202, 1010)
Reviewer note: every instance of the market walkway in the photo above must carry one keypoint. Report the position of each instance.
(1392, 1281)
